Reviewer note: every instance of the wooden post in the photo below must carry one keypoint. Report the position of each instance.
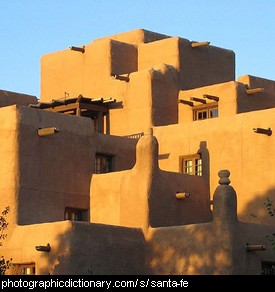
(78, 110)
(107, 123)
(100, 122)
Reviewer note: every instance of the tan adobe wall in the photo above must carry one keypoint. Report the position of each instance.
(41, 176)
(92, 248)
(144, 195)
(137, 36)
(9, 168)
(55, 170)
(227, 142)
(228, 93)
(121, 149)
(157, 67)
(196, 66)
(216, 247)
(9, 98)
(260, 100)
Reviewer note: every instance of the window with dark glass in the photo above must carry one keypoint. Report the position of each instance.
(73, 214)
(103, 163)
(268, 268)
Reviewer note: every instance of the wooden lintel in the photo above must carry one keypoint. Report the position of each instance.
(212, 97)
(63, 108)
(58, 102)
(93, 107)
(44, 105)
(198, 100)
(190, 103)
(75, 106)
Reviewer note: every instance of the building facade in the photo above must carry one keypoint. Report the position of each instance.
(114, 170)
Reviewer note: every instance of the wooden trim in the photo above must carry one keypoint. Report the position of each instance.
(75, 106)
(207, 105)
(183, 158)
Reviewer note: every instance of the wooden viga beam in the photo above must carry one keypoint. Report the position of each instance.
(254, 90)
(190, 103)
(77, 49)
(121, 77)
(199, 44)
(47, 131)
(256, 247)
(212, 97)
(198, 100)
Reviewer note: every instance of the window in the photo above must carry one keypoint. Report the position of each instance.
(205, 112)
(103, 163)
(268, 268)
(25, 269)
(191, 164)
(73, 214)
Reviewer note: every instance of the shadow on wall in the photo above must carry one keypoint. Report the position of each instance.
(217, 247)
(203, 151)
(58, 257)
(186, 250)
(256, 211)
(97, 249)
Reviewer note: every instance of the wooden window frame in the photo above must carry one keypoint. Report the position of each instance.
(73, 214)
(268, 268)
(99, 167)
(197, 169)
(21, 269)
(205, 108)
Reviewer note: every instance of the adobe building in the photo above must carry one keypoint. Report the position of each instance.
(143, 155)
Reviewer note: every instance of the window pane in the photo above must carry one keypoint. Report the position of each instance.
(198, 167)
(268, 268)
(188, 166)
(73, 214)
(97, 164)
(103, 163)
(202, 115)
(214, 113)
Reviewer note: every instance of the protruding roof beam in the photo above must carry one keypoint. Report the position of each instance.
(199, 44)
(198, 100)
(254, 90)
(256, 247)
(211, 97)
(190, 103)
(78, 49)
(121, 77)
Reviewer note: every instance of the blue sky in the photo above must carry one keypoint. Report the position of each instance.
(31, 28)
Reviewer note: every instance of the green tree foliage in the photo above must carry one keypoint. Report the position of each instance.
(271, 212)
(4, 264)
